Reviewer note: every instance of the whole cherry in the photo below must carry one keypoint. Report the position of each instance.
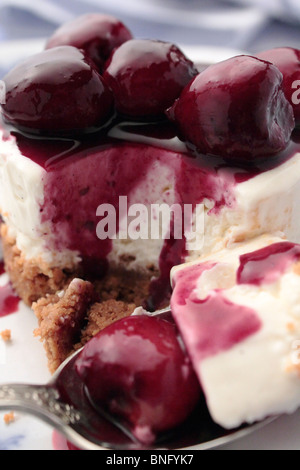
(235, 109)
(136, 370)
(97, 34)
(146, 76)
(287, 59)
(57, 91)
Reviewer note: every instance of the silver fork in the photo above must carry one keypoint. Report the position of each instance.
(63, 404)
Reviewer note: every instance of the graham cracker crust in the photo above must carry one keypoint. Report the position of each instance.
(71, 310)
(69, 319)
(31, 279)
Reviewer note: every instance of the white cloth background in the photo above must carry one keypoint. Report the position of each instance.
(249, 25)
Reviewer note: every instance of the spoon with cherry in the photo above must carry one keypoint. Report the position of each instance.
(131, 387)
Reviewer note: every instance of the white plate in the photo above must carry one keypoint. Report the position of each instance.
(23, 359)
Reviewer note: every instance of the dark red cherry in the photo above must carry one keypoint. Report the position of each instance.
(235, 109)
(57, 91)
(96, 34)
(287, 60)
(146, 76)
(137, 370)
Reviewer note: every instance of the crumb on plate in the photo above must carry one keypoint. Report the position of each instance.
(9, 417)
(6, 335)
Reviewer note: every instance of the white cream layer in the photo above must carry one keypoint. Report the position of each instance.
(259, 376)
(21, 197)
(267, 203)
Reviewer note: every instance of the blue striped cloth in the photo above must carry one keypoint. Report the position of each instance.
(248, 25)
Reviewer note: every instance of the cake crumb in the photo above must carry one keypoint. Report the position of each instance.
(31, 279)
(296, 268)
(68, 320)
(9, 417)
(61, 318)
(101, 315)
(5, 335)
(291, 327)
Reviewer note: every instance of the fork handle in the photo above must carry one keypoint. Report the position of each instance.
(38, 400)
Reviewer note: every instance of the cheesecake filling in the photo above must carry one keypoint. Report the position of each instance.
(72, 203)
(238, 312)
(74, 184)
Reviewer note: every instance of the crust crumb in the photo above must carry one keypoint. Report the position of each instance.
(68, 319)
(296, 268)
(31, 279)
(9, 418)
(102, 314)
(61, 317)
(6, 335)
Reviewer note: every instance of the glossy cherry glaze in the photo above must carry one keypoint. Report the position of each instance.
(210, 325)
(147, 76)
(84, 170)
(2, 268)
(266, 265)
(235, 109)
(287, 60)
(213, 324)
(97, 34)
(57, 91)
(81, 174)
(137, 370)
(9, 301)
